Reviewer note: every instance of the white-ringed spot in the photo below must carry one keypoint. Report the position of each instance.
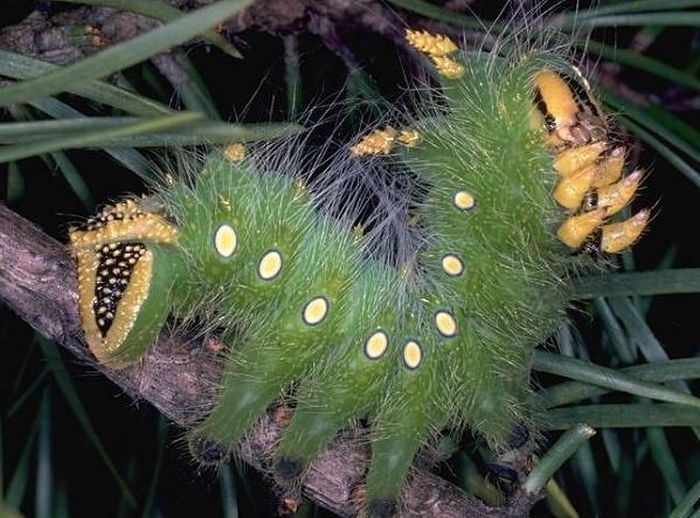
(445, 323)
(376, 345)
(452, 265)
(315, 311)
(270, 265)
(412, 354)
(225, 240)
(464, 201)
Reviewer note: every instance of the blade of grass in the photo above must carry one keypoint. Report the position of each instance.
(125, 54)
(557, 455)
(206, 132)
(17, 66)
(44, 478)
(161, 436)
(19, 401)
(613, 448)
(129, 158)
(640, 333)
(669, 19)
(94, 137)
(609, 378)
(20, 476)
(637, 329)
(660, 122)
(640, 61)
(676, 161)
(438, 13)
(74, 180)
(584, 465)
(656, 282)
(193, 91)
(659, 372)
(685, 506)
(60, 374)
(471, 480)
(14, 131)
(227, 487)
(663, 457)
(163, 12)
(214, 131)
(558, 502)
(2, 471)
(54, 160)
(61, 509)
(292, 75)
(622, 416)
(635, 6)
(15, 183)
(617, 339)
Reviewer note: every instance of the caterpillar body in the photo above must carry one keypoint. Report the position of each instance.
(521, 171)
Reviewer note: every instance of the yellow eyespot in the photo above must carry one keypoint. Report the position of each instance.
(225, 240)
(464, 200)
(376, 345)
(315, 311)
(446, 324)
(452, 265)
(270, 265)
(412, 354)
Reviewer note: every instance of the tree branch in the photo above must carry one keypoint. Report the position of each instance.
(37, 281)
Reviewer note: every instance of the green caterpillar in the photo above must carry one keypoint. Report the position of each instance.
(520, 170)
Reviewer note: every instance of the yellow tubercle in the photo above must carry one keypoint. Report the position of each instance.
(448, 67)
(619, 236)
(140, 227)
(571, 190)
(409, 138)
(576, 229)
(234, 152)
(378, 142)
(616, 196)
(431, 44)
(571, 160)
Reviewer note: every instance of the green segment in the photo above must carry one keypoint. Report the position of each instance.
(352, 380)
(509, 296)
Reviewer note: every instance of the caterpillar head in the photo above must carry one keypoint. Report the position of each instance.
(125, 274)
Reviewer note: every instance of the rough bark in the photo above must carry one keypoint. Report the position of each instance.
(37, 281)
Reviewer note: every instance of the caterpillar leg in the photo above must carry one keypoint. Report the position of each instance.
(590, 180)
(415, 411)
(288, 338)
(350, 385)
(616, 237)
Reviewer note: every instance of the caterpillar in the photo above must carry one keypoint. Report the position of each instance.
(522, 180)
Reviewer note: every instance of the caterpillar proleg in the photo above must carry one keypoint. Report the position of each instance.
(520, 170)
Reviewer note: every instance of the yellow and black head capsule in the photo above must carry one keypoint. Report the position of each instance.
(127, 267)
